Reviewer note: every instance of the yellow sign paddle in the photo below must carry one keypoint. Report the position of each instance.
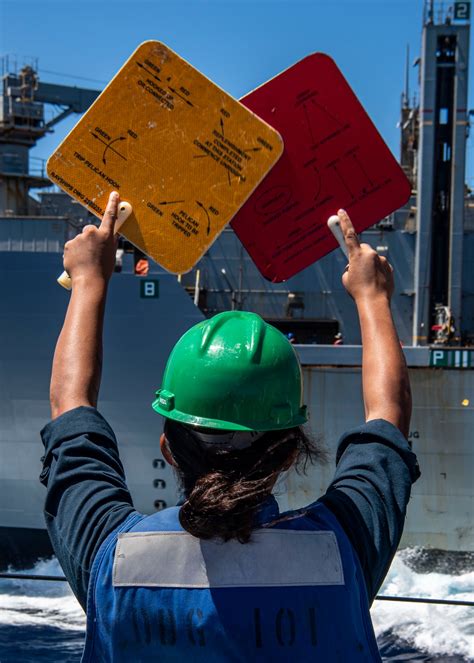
(180, 150)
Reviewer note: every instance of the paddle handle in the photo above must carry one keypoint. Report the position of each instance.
(124, 211)
(335, 227)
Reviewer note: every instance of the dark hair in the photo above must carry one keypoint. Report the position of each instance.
(224, 487)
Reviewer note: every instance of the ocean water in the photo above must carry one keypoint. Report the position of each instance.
(421, 632)
(42, 621)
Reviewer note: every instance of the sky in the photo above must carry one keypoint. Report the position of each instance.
(237, 44)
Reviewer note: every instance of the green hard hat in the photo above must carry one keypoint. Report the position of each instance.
(233, 372)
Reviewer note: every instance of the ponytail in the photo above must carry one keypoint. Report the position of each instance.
(224, 487)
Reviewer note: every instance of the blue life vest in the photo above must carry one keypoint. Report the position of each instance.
(295, 593)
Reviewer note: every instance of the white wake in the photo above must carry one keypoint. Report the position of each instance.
(435, 629)
(40, 602)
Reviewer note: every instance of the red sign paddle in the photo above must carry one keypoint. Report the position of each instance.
(334, 157)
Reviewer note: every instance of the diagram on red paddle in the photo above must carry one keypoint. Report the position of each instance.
(334, 157)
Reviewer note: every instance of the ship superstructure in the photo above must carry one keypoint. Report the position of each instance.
(430, 243)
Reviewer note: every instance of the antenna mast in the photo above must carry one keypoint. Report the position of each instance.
(407, 78)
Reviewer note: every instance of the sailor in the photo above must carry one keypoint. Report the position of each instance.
(225, 576)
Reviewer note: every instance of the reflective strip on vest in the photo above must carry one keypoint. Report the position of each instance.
(273, 558)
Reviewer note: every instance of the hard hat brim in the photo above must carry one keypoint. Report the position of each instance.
(218, 424)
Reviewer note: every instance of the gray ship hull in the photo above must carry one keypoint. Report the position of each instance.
(139, 334)
(440, 511)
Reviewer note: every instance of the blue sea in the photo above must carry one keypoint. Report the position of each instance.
(42, 621)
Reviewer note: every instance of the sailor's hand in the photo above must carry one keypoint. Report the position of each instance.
(91, 255)
(368, 275)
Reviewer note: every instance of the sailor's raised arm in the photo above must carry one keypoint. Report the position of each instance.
(368, 278)
(77, 366)
(86, 492)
